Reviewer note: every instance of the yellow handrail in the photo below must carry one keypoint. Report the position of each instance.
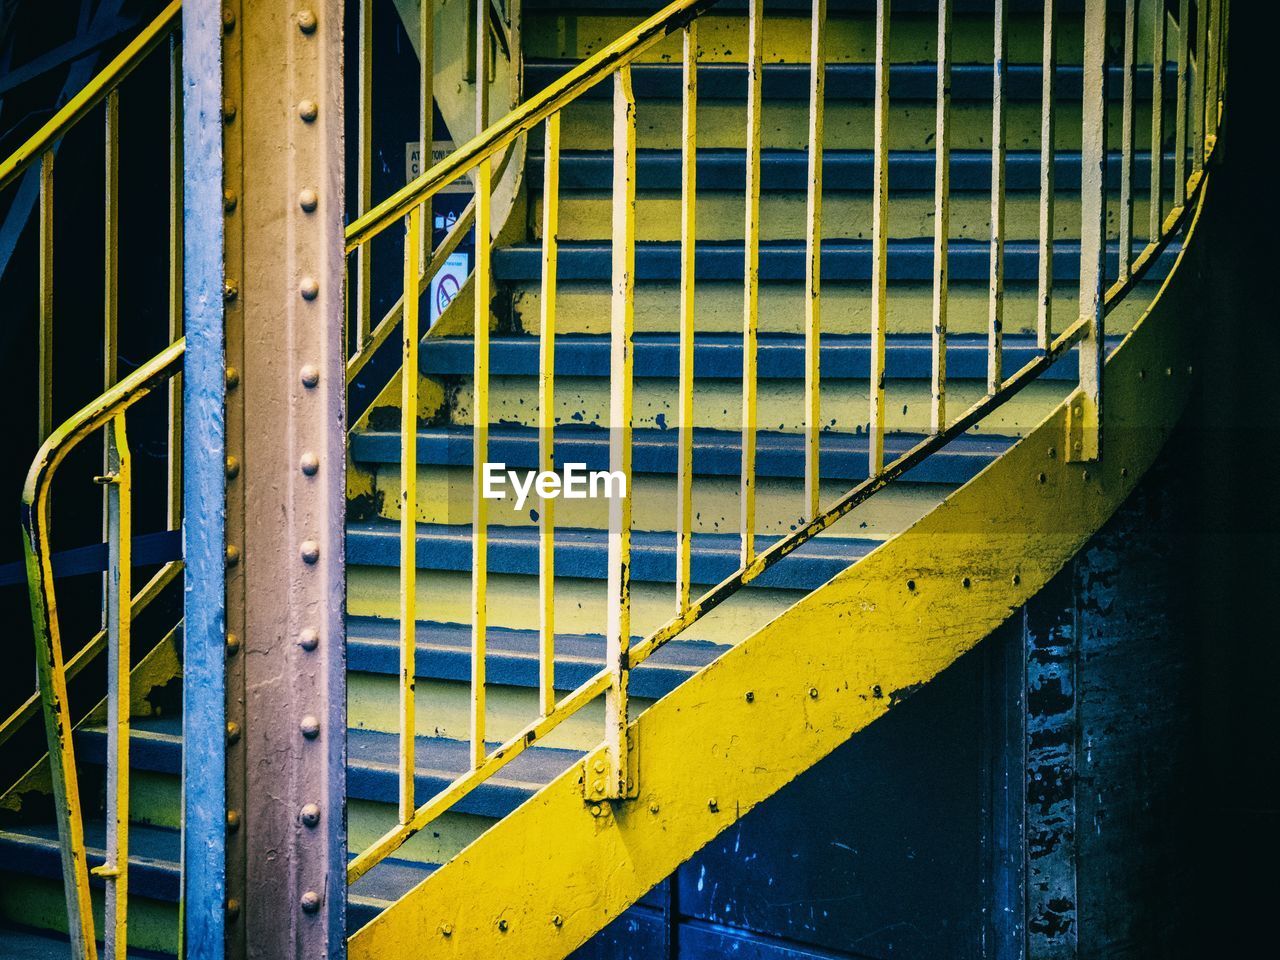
(107, 79)
(107, 410)
(523, 118)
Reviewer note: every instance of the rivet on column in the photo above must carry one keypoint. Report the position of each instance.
(309, 726)
(309, 287)
(308, 110)
(308, 639)
(309, 463)
(308, 200)
(309, 551)
(310, 902)
(310, 814)
(307, 21)
(310, 375)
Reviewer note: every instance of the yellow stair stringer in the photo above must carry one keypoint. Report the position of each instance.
(546, 878)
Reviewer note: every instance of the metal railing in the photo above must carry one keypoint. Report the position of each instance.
(107, 412)
(120, 604)
(1197, 117)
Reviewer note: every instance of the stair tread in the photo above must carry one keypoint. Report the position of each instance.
(784, 260)
(583, 553)
(848, 81)
(154, 862)
(719, 356)
(715, 452)
(17, 943)
(843, 170)
(444, 653)
(372, 763)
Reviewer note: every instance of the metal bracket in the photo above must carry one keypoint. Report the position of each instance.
(596, 769)
(1083, 443)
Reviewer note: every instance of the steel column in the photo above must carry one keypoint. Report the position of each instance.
(286, 500)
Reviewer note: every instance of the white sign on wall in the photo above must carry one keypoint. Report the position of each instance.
(439, 150)
(446, 284)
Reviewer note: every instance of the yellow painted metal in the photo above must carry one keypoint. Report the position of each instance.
(813, 261)
(115, 868)
(688, 244)
(480, 455)
(626, 48)
(1156, 192)
(426, 117)
(91, 94)
(711, 753)
(616, 784)
(364, 167)
(941, 221)
(879, 241)
(751, 276)
(44, 403)
(173, 511)
(1180, 121)
(1048, 112)
(1199, 99)
(547, 417)
(409, 508)
(1084, 418)
(51, 668)
(995, 286)
(1130, 70)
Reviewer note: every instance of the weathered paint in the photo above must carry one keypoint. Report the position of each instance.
(710, 753)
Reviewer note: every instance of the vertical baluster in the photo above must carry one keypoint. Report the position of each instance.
(1048, 156)
(1212, 57)
(995, 291)
(751, 278)
(364, 171)
(813, 262)
(1199, 104)
(174, 511)
(45, 361)
(480, 415)
(1084, 411)
(110, 275)
(879, 241)
(1155, 225)
(1180, 122)
(1126, 137)
(1224, 47)
(621, 359)
(547, 414)
(426, 116)
(115, 869)
(409, 510)
(941, 219)
(688, 241)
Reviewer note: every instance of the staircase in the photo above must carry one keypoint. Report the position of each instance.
(845, 628)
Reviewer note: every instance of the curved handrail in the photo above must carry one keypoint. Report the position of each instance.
(107, 79)
(523, 118)
(108, 409)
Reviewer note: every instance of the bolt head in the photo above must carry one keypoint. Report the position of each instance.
(309, 901)
(308, 110)
(233, 378)
(233, 731)
(309, 463)
(750, 696)
(307, 21)
(713, 805)
(228, 19)
(228, 111)
(596, 810)
(233, 644)
(229, 200)
(309, 287)
(309, 726)
(233, 554)
(233, 821)
(813, 693)
(557, 920)
(309, 551)
(653, 806)
(598, 787)
(310, 375)
(599, 766)
(502, 926)
(308, 200)
(446, 929)
(310, 814)
(233, 468)
(233, 908)
(1017, 579)
(308, 639)
(230, 291)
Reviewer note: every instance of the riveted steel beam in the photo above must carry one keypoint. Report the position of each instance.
(282, 134)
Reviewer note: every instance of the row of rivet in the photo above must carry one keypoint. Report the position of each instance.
(309, 464)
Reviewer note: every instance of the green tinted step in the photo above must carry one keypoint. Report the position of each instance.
(443, 652)
(582, 554)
